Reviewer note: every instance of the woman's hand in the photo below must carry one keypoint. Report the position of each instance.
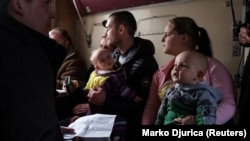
(187, 120)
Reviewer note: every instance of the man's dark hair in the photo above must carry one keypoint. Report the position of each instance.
(104, 23)
(127, 19)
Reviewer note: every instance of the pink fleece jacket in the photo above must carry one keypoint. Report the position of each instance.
(217, 76)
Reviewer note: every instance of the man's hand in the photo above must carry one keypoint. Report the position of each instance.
(243, 36)
(97, 96)
(67, 129)
(81, 109)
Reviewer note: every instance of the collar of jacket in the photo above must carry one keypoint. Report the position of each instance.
(71, 54)
(55, 52)
(141, 47)
(23, 31)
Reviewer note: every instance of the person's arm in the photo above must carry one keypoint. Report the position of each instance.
(117, 83)
(139, 76)
(112, 104)
(67, 130)
(243, 112)
(220, 78)
(206, 107)
(162, 112)
(80, 109)
(153, 103)
(158, 86)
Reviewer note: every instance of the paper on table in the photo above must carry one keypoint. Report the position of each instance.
(93, 127)
(60, 91)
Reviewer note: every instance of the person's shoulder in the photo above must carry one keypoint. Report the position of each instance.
(146, 47)
(217, 66)
(76, 52)
(75, 55)
(211, 91)
(213, 62)
(144, 41)
(93, 73)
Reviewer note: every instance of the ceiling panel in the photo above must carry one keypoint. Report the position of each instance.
(95, 6)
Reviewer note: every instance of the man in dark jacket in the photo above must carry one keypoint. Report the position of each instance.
(29, 61)
(137, 55)
(244, 112)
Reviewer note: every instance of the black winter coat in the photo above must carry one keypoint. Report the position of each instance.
(29, 62)
(140, 65)
(244, 101)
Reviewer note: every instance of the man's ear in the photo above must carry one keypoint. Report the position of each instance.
(17, 6)
(185, 37)
(122, 28)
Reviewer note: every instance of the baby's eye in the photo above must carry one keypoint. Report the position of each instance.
(108, 56)
(179, 66)
(183, 65)
(102, 60)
